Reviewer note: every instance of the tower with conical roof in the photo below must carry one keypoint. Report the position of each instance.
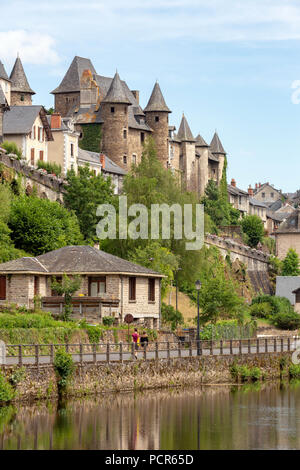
(187, 162)
(157, 117)
(114, 112)
(202, 158)
(21, 93)
(218, 151)
(5, 83)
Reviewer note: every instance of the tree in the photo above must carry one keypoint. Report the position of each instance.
(217, 206)
(67, 287)
(253, 228)
(84, 192)
(171, 317)
(290, 264)
(39, 225)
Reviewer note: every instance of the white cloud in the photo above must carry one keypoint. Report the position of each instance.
(33, 47)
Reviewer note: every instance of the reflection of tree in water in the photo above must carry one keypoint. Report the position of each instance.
(207, 418)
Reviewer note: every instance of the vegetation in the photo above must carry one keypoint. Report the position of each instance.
(64, 367)
(39, 225)
(7, 392)
(11, 147)
(290, 264)
(91, 137)
(294, 371)
(245, 373)
(253, 229)
(227, 329)
(84, 193)
(171, 317)
(51, 168)
(278, 310)
(217, 206)
(67, 287)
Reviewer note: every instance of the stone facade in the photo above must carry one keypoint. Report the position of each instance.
(20, 99)
(115, 127)
(159, 123)
(285, 241)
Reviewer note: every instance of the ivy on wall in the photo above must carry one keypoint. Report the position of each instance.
(91, 137)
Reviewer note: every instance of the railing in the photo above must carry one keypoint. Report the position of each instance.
(36, 354)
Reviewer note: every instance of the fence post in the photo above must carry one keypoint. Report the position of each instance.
(281, 344)
(212, 347)
(20, 355)
(289, 344)
(275, 344)
(168, 350)
(240, 347)
(179, 349)
(121, 352)
(37, 354)
(94, 353)
(132, 351)
(81, 353)
(145, 351)
(221, 347)
(257, 345)
(107, 353)
(200, 348)
(67, 347)
(266, 345)
(230, 345)
(51, 353)
(156, 350)
(249, 346)
(190, 349)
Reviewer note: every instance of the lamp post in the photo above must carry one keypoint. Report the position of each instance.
(198, 287)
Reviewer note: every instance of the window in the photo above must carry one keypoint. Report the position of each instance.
(2, 287)
(125, 134)
(156, 118)
(33, 133)
(22, 98)
(151, 289)
(272, 195)
(142, 137)
(72, 150)
(134, 159)
(97, 286)
(125, 160)
(263, 195)
(298, 297)
(32, 157)
(39, 134)
(112, 109)
(132, 288)
(41, 155)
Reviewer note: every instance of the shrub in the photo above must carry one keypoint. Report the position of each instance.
(294, 371)
(287, 321)
(11, 147)
(31, 320)
(170, 316)
(52, 168)
(246, 373)
(6, 390)
(108, 321)
(94, 333)
(261, 310)
(64, 367)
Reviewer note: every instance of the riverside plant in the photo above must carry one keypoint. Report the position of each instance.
(64, 367)
(245, 373)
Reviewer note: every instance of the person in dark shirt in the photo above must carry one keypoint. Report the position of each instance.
(144, 340)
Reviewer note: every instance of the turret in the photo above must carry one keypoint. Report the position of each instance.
(114, 112)
(21, 93)
(218, 151)
(5, 83)
(187, 157)
(157, 117)
(202, 154)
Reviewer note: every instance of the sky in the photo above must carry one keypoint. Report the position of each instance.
(229, 65)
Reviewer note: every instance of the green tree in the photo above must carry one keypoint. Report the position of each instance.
(290, 264)
(39, 225)
(84, 192)
(67, 287)
(171, 317)
(217, 206)
(253, 228)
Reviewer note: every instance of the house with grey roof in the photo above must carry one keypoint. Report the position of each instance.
(289, 287)
(267, 193)
(287, 235)
(110, 286)
(63, 149)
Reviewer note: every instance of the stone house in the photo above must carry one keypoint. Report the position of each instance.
(288, 235)
(110, 286)
(238, 198)
(258, 208)
(63, 149)
(108, 104)
(267, 193)
(289, 287)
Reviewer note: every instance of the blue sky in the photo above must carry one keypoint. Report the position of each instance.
(228, 64)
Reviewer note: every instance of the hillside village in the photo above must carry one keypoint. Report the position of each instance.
(98, 121)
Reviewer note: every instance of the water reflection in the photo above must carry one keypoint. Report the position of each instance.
(224, 417)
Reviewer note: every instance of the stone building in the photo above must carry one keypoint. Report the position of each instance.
(108, 104)
(5, 86)
(21, 93)
(288, 235)
(267, 193)
(110, 286)
(63, 149)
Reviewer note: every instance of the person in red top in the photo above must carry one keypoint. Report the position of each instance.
(135, 337)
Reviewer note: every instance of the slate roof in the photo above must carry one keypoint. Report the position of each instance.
(20, 119)
(71, 81)
(257, 190)
(256, 202)
(157, 102)
(291, 223)
(213, 157)
(75, 259)
(184, 132)
(236, 191)
(216, 145)
(116, 92)
(93, 157)
(3, 73)
(18, 78)
(200, 142)
(277, 216)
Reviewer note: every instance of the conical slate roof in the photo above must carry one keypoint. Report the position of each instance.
(216, 146)
(3, 73)
(116, 92)
(200, 142)
(184, 133)
(157, 102)
(18, 79)
(71, 81)
(3, 101)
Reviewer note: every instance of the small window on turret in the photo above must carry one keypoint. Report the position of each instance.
(156, 118)
(142, 137)
(112, 109)
(22, 98)
(125, 134)
(125, 160)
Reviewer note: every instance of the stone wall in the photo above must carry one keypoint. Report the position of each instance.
(40, 382)
(49, 187)
(160, 133)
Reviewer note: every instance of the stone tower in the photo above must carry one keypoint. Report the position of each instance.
(114, 112)
(202, 154)
(187, 161)
(157, 117)
(217, 149)
(21, 93)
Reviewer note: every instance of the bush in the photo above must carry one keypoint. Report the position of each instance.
(11, 147)
(294, 371)
(52, 168)
(108, 321)
(32, 320)
(64, 367)
(261, 310)
(246, 373)
(286, 321)
(94, 333)
(6, 390)
(171, 317)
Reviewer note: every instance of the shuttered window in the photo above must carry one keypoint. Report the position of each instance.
(132, 288)
(151, 289)
(32, 157)
(2, 287)
(41, 155)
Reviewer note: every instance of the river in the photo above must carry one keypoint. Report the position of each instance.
(213, 417)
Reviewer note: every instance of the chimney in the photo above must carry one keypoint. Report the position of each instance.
(233, 182)
(250, 190)
(256, 185)
(102, 160)
(55, 121)
(136, 94)
(259, 185)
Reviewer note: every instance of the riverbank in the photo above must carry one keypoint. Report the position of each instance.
(40, 382)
